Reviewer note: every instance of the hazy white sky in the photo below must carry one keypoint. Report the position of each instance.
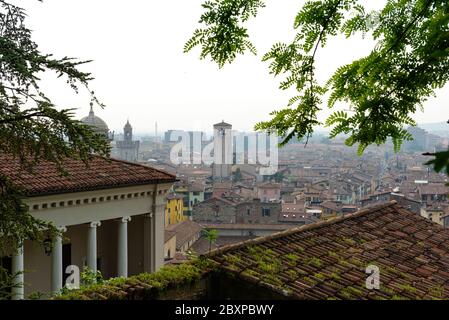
(141, 72)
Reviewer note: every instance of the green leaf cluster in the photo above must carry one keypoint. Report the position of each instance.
(223, 35)
(32, 127)
(376, 95)
(142, 286)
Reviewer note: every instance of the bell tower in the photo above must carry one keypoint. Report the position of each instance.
(128, 132)
(222, 167)
(128, 149)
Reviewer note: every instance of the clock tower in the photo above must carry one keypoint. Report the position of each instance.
(128, 149)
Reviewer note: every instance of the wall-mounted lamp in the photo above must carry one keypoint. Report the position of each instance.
(48, 246)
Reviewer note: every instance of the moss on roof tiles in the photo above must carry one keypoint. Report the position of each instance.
(335, 268)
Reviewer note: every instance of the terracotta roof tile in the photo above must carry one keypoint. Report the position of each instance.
(434, 188)
(101, 173)
(185, 231)
(329, 259)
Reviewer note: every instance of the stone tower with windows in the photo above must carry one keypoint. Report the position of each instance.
(223, 152)
(128, 149)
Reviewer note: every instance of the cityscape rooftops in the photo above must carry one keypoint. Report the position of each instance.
(434, 189)
(175, 196)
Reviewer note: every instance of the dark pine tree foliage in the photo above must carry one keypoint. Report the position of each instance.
(32, 127)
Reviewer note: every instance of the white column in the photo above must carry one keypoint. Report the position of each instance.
(154, 239)
(56, 263)
(92, 245)
(122, 254)
(17, 270)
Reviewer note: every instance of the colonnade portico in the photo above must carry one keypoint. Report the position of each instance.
(56, 254)
(91, 252)
(118, 231)
(103, 195)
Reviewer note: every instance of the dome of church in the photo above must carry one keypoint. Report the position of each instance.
(97, 123)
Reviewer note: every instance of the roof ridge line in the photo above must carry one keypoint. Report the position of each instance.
(291, 231)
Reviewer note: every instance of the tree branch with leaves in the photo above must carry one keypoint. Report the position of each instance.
(408, 63)
(32, 127)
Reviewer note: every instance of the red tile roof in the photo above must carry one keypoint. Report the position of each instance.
(101, 173)
(175, 196)
(269, 185)
(293, 207)
(328, 260)
(185, 231)
(434, 189)
(168, 235)
(247, 226)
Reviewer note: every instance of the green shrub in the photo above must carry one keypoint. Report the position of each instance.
(141, 286)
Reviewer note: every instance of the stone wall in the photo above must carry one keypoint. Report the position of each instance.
(258, 212)
(214, 211)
